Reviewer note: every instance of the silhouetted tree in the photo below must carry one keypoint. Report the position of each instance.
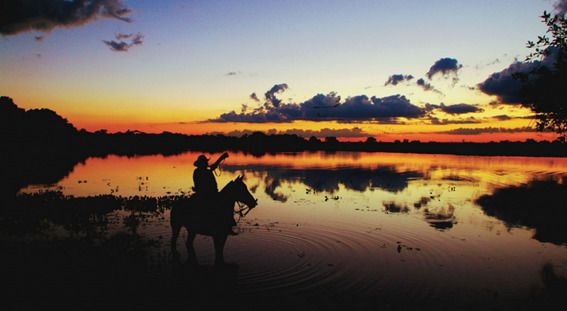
(42, 128)
(331, 140)
(314, 140)
(370, 140)
(543, 88)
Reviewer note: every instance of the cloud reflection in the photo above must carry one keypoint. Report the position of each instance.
(538, 204)
(329, 180)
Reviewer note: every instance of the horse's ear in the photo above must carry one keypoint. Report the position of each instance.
(239, 178)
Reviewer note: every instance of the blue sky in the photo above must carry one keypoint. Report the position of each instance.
(349, 47)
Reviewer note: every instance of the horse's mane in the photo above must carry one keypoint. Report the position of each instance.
(227, 186)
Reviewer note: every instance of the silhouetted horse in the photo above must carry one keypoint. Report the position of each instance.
(202, 218)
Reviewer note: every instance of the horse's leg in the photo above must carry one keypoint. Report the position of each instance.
(219, 241)
(191, 256)
(175, 228)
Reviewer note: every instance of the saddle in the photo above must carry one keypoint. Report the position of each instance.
(208, 209)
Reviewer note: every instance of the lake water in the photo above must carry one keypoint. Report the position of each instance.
(373, 226)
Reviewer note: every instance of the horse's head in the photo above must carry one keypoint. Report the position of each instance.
(241, 193)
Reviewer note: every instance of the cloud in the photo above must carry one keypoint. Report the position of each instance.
(502, 117)
(271, 94)
(503, 84)
(385, 120)
(397, 78)
(124, 46)
(560, 7)
(424, 85)
(455, 109)
(354, 132)
(444, 66)
(45, 15)
(123, 36)
(231, 73)
(507, 88)
(476, 131)
(469, 120)
(326, 108)
(254, 97)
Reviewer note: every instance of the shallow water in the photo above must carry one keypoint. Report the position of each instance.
(411, 227)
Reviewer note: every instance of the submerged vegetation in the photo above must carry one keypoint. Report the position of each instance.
(91, 253)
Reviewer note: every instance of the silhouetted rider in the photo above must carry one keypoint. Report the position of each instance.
(204, 179)
(206, 189)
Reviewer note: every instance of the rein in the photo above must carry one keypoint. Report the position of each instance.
(242, 210)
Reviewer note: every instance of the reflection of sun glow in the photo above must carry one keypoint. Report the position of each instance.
(402, 209)
(159, 175)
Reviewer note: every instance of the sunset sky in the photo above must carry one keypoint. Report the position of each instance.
(402, 69)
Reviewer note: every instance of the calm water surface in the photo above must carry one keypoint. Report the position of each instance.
(420, 227)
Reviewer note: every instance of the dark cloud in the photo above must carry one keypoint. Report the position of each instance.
(231, 73)
(444, 66)
(327, 107)
(476, 131)
(383, 120)
(502, 117)
(397, 78)
(426, 86)
(254, 97)
(507, 87)
(503, 84)
(123, 36)
(271, 94)
(455, 109)
(123, 46)
(560, 7)
(469, 120)
(355, 132)
(45, 15)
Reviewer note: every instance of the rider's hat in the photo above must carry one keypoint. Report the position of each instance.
(202, 161)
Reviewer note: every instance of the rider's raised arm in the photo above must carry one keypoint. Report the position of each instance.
(218, 161)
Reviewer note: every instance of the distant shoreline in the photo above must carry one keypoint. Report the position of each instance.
(100, 144)
(42, 133)
(259, 143)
